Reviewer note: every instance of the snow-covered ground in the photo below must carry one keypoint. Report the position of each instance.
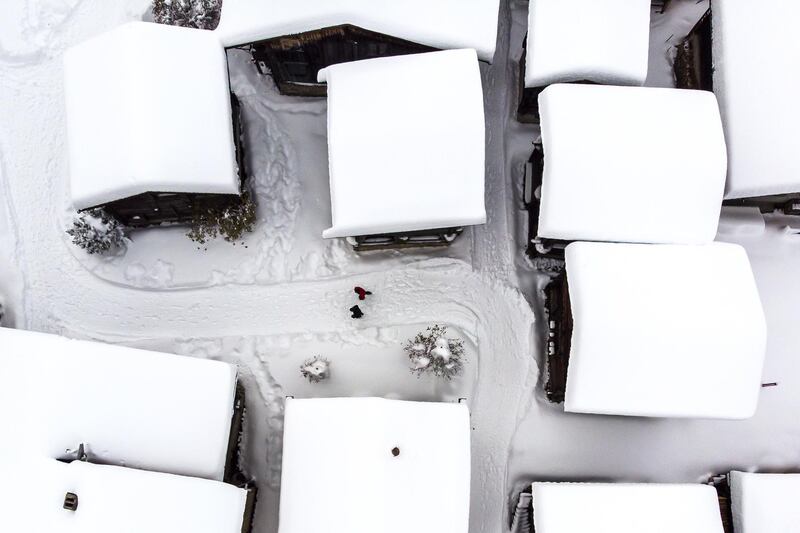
(285, 296)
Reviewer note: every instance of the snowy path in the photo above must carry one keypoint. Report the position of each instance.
(273, 295)
(241, 317)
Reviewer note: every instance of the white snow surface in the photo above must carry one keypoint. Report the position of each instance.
(664, 331)
(113, 498)
(441, 24)
(606, 165)
(148, 110)
(625, 508)
(602, 41)
(406, 143)
(283, 299)
(764, 503)
(128, 407)
(342, 450)
(756, 54)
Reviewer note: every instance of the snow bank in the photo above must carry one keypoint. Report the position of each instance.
(406, 143)
(375, 465)
(604, 41)
(765, 503)
(670, 331)
(441, 24)
(631, 164)
(131, 407)
(112, 498)
(148, 109)
(625, 508)
(756, 79)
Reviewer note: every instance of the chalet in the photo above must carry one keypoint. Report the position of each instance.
(602, 172)
(406, 160)
(656, 331)
(764, 503)
(586, 41)
(295, 40)
(153, 129)
(732, 52)
(80, 496)
(123, 406)
(377, 465)
(623, 508)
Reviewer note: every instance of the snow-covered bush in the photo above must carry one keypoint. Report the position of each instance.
(231, 222)
(96, 231)
(431, 351)
(202, 14)
(316, 369)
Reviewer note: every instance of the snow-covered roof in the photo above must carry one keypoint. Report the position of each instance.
(631, 164)
(377, 465)
(148, 110)
(603, 41)
(625, 508)
(756, 54)
(765, 503)
(664, 331)
(406, 143)
(132, 407)
(441, 24)
(113, 498)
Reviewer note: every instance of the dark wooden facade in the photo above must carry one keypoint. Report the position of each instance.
(694, 63)
(537, 247)
(412, 239)
(295, 60)
(157, 208)
(558, 312)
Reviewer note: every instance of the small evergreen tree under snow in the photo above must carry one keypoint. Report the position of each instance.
(202, 14)
(316, 369)
(431, 351)
(96, 231)
(231, 222)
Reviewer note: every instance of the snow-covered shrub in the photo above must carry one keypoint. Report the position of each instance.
(96, 231)
(231, 222)
(202, 14)
(316, 369)
(431, 351)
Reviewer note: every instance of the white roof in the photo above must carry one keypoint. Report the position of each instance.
(148, 110)
(631, 164)
(132, 407)
(765, 503)
(406, 143)
(123, 500)
(625, 508)
(603, 41)
(756, 54)
(340, 450)
(670, 331)
(440, 24)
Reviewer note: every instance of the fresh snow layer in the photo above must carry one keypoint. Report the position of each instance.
(625, 508)
(664, 331)
(148, 110)
(340, 450)
(756, 52)
(113, 498)
(603, 41)
(406, 143)
(440, 24)
(129, 407)
(765, 503)
(631, 164)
